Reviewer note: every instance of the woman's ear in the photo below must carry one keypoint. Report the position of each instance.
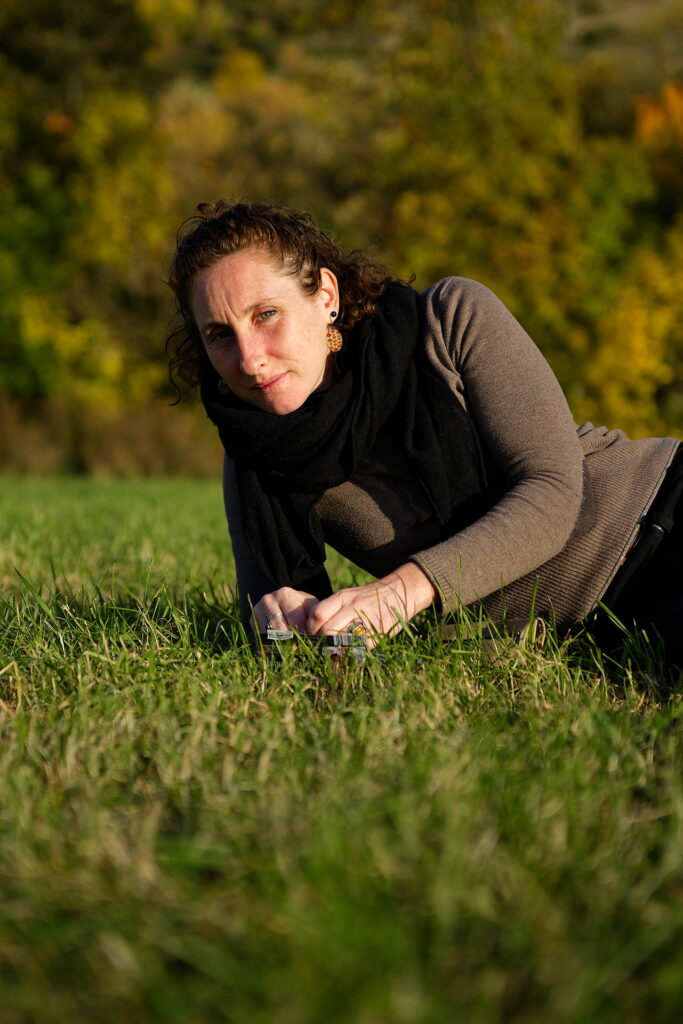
(329, 291)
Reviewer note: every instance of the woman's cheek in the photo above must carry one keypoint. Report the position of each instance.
(223, 363)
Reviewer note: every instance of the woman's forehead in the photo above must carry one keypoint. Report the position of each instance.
(240, 280)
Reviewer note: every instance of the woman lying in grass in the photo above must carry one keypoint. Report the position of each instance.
(423, 436)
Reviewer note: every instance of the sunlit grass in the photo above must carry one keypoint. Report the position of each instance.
(189, 834)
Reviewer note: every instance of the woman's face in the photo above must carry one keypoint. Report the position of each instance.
(264, 335)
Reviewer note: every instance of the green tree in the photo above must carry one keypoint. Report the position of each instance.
(456, 136)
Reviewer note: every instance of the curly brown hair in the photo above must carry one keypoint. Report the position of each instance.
(292, 237)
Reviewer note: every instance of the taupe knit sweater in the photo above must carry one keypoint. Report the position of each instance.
(573, 498)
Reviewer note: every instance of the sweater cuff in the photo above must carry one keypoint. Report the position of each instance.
(448, 597)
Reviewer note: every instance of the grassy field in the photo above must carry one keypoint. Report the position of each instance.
(190, 835)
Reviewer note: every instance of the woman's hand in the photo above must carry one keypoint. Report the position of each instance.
(382, 606)
(283, 609)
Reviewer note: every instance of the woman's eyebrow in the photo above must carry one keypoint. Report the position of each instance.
(245, 312)
(259, 302)
(213, 323)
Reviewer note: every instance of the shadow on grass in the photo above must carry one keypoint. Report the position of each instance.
(631, 660)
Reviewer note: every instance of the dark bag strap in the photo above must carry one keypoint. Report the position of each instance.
(654, 527)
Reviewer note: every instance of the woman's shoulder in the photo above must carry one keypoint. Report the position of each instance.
(459, 313)
(457, 291)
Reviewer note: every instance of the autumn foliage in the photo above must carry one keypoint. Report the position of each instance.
(454, 136)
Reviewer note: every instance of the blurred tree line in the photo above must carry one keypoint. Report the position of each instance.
(535, 145)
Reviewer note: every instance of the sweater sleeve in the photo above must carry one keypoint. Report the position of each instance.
(252, 582)
(525, 426)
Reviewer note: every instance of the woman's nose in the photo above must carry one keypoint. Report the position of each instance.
(252, 355)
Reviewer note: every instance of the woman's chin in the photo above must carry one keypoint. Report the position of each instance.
(280, 404)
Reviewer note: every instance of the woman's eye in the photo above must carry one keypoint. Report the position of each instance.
(266, 314)
(219, 337)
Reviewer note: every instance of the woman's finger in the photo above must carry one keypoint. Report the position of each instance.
(384, 606)
(347, 608)
(285, 608)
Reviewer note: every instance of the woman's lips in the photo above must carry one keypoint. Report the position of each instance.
(268, 385)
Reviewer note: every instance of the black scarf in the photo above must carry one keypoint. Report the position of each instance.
(284, 463)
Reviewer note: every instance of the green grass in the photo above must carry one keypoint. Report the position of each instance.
(189, 835)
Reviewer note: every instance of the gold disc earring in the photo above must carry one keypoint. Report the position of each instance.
(334, 338)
